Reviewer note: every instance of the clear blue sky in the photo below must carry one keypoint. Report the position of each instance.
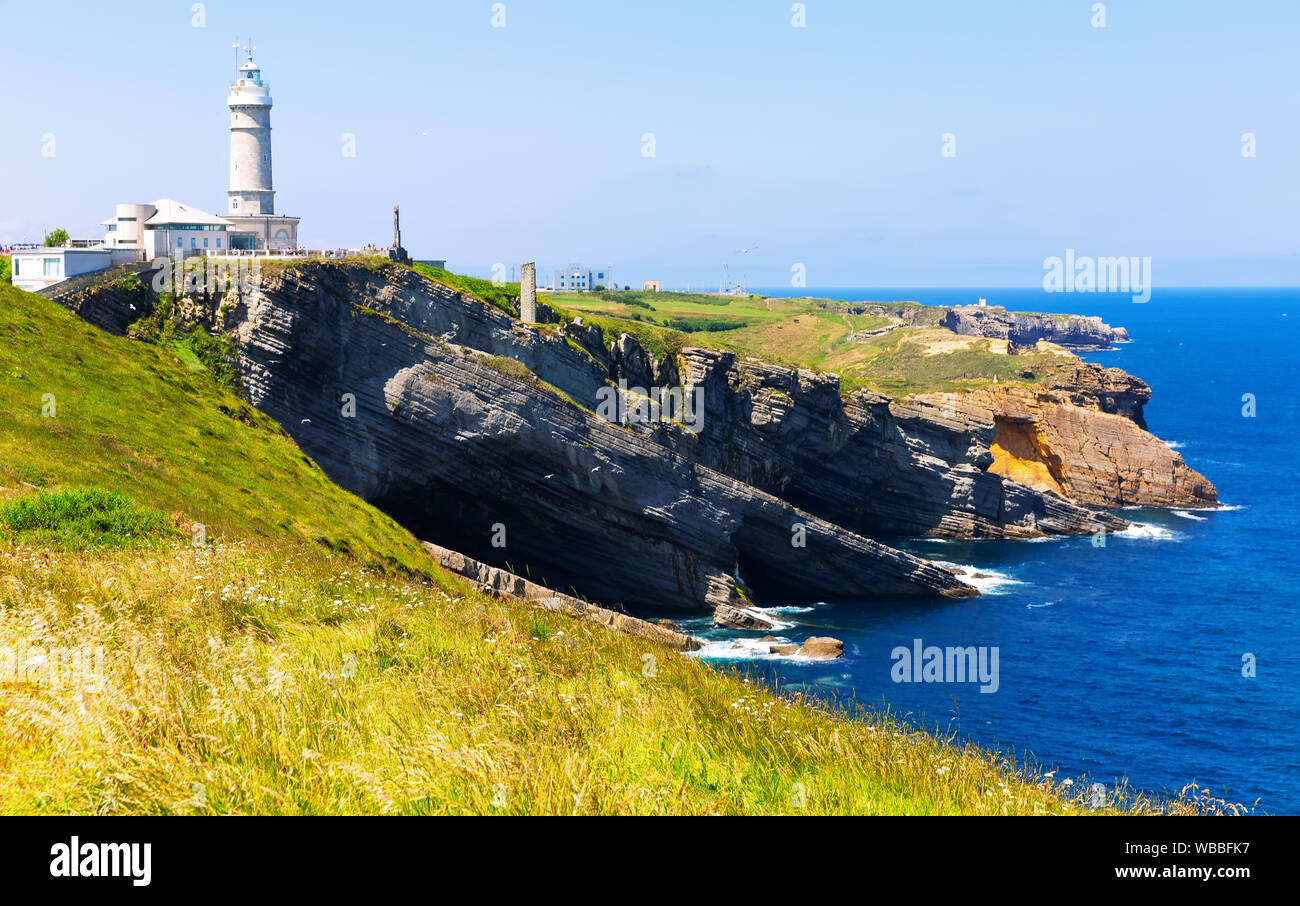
(820, 145)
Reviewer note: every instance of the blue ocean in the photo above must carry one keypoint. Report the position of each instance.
(1123, 662)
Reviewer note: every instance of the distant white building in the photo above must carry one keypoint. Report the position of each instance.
(578, 278)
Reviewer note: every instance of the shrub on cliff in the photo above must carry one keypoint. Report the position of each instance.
(501, 296)
(509, 367)
(201, 350)
(83, 519)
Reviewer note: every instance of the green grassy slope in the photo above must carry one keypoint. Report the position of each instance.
(83, 407)
(307, 658)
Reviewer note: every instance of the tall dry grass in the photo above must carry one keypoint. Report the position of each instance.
(258, 678)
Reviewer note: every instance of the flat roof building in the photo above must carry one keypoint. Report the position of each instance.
(36, 269)
(579, 278)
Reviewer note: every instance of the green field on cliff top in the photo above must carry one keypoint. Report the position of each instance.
(273, 644)
(818, 334)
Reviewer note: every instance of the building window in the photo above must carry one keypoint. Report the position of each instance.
(16, 260)
(205, 243)
(51, 267)
(234, 204)
(194, 243)
(180, 243)
(218, 243)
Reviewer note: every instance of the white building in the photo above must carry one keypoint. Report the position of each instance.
(177, 228)
(141, 232)
(166, 228)
(125, 229)
(578, 278)
(35, 269)
(250, 200)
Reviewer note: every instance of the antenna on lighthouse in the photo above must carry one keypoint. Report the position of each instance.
(236, 48)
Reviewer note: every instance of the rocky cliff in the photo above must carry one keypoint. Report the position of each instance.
(879, 466)
(476, 453)
(479, 434)
(1097, 458)
(941, 464)
(1027, 328)
(110, 305)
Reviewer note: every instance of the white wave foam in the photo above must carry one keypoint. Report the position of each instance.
(1174, 444)
(1148, 531)
(769, 614)
(1187, 515)
(1044, 604)
(1229, 508)
(988, 581)
(749, 650)
(787, 608)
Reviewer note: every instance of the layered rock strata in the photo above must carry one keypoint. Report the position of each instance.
(478, 433)
(475, 453)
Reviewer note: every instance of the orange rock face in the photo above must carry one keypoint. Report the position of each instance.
(1019, 453)
(1056, 441)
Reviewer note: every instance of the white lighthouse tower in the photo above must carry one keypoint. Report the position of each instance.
(251, 197)
(250, 142)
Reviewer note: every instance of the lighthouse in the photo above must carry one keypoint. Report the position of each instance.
(250, 201)
(250, 143)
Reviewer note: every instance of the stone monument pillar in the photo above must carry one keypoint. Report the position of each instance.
(528, 293)
(397, 253)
